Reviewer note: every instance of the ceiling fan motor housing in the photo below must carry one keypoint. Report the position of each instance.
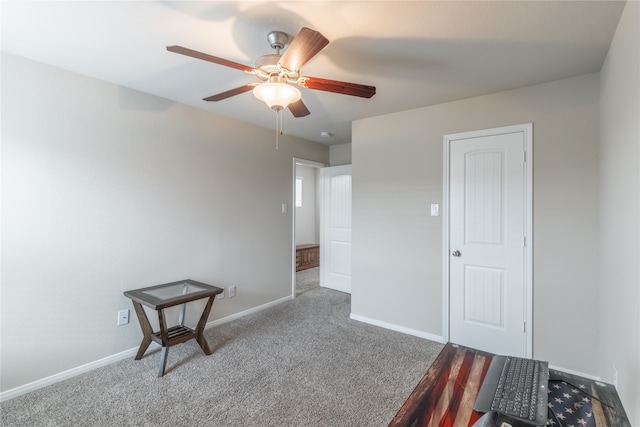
(268, 63)
(277, 40)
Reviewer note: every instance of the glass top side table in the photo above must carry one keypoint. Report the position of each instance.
(167, 295)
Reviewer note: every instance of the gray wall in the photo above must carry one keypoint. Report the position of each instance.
(340, 154)
(586, 214)
(397, 245)
(105, 189)
(619, 291)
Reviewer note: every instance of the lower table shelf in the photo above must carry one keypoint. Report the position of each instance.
(177, 334)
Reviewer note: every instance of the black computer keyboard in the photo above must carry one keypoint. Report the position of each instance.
(517, 391)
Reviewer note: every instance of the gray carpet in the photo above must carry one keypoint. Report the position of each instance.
(307, 279)
(301, 363)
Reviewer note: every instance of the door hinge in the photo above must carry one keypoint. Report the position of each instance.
(524, 324)
(524, 241)
(524, 157)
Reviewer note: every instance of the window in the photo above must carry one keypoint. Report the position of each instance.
(298, 191)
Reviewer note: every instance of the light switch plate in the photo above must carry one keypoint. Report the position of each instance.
(435, 209)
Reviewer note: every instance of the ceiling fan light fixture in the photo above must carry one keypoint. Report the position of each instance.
(276, 95)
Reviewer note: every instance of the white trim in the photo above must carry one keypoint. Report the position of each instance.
(310, 163)
(528, 262)
(527, 130)
(293, 228)
(393, 327)
(44, 382)
(445, 238)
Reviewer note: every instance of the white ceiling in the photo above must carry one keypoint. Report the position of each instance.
(416, 53)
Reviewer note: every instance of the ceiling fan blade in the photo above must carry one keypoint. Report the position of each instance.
(298, 109)
(232, 92)
(206, 57)
(304, 46)
(336, 86)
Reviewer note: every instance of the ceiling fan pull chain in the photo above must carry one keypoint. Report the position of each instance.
(278, 126)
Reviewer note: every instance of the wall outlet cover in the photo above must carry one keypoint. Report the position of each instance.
(123, 317)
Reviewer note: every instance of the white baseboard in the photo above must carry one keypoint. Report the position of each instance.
(393, 327)
(580, 374)
(38, 384)
(246, 312)
(441, 340)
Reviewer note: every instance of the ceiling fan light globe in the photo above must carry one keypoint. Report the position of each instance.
(276, 95)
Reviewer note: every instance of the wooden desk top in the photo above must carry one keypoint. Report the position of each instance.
(445, 395)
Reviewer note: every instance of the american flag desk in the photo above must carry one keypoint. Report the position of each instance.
(445, 395)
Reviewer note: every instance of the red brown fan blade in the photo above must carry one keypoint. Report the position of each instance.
(298, 109)
(304, 46)
(336, 86)
(232, 92)
(206, 57)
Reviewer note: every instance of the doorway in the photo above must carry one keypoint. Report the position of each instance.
(488, 229)
(306, 225)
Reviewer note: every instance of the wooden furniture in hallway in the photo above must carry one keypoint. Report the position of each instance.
(307, 256)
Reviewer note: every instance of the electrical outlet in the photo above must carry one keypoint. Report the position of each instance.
(615, 377)
(232, 291)
(123, 317)
(220, 295)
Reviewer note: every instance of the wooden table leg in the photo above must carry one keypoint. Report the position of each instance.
(201, 324)
(163, 361)
(147, 331)
(164, 336)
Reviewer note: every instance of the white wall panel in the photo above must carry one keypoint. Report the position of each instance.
(483, 197)
(484, 296)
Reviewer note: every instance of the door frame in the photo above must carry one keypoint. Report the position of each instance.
(309, 163)
(527, 130)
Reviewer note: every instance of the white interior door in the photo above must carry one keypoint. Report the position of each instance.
(489, 214)
(335, 230)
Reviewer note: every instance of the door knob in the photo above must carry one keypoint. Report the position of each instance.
(455, 253)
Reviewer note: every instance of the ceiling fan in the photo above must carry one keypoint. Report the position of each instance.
(277, 72)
